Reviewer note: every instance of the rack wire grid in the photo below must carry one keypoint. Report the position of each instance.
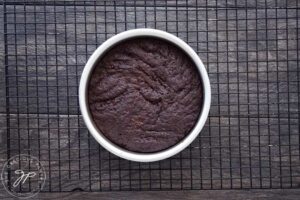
(250, 49)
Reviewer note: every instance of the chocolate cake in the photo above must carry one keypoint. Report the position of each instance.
(145, 95)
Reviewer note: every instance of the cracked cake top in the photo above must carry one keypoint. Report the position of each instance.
(145, 95)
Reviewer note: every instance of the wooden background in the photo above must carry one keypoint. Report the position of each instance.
(251, 51)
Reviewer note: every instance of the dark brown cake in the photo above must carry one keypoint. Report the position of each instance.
(145, 95)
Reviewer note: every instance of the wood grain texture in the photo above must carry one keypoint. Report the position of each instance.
(190, 195)
(222, 47)
(251, 139)
(2, 68)
(252, 4)
(290, 194)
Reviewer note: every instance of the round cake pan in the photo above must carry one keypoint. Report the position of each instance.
(83, 97)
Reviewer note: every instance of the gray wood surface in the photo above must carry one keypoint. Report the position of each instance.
(251, 139)
(290, 194)
(2, 68)
(191, 3)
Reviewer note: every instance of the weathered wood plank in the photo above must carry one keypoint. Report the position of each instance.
(192, 195)
(260, 4)
(2, 66)
(73, 159)
(291, 194)
(240, 57)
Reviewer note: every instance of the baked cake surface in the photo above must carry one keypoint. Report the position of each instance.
(145, 95)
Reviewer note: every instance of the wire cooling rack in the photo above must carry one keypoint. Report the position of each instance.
(251, 51)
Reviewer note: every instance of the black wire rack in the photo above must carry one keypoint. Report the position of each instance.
(251, 51)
